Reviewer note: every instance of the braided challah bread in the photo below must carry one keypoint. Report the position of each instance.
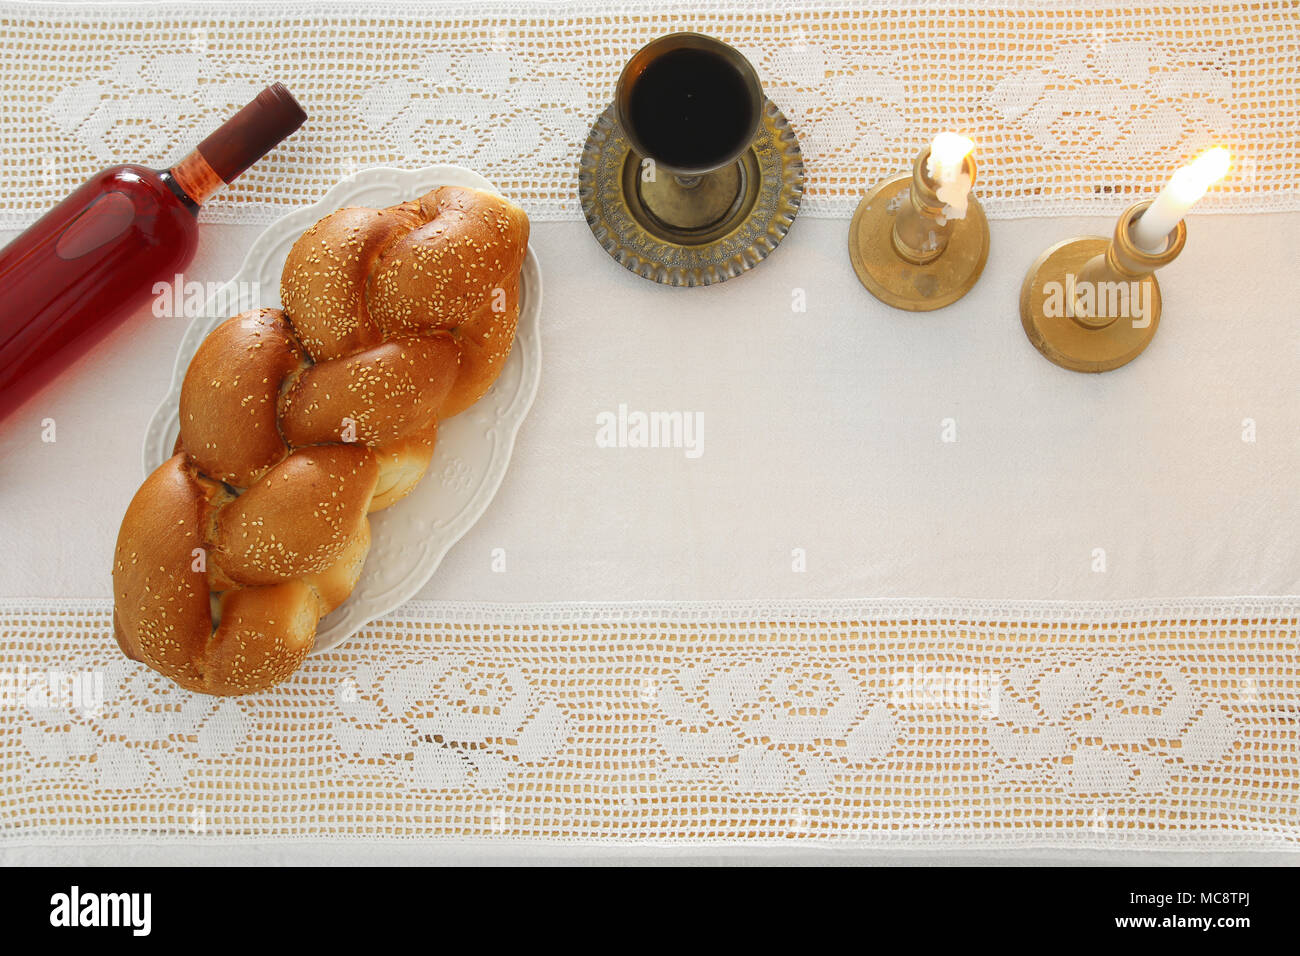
(296, 423)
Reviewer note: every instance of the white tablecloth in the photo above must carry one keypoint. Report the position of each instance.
(1117, 553)
(823, 431)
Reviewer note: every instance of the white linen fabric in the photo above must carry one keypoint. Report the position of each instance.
(823, 470)
(907, 584)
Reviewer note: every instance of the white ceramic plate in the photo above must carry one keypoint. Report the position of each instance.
(409, 539)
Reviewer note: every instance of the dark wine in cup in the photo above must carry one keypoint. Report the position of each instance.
(690, 103)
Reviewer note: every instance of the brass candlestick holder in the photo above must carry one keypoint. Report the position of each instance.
(906, 253)
(1092, 304)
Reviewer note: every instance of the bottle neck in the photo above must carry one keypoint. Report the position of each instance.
(196, 178)
(235, 145)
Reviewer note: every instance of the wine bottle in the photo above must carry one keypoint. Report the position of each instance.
(94, 258)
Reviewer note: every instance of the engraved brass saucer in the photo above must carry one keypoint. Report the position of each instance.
(681, 233)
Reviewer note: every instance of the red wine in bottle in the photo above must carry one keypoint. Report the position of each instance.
(94, 258)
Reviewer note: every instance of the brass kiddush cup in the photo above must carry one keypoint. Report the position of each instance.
(690, 104)
(691, 176)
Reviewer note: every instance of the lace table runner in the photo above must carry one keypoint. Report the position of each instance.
(1165, 725)
(1147, 725)
(1077, 106)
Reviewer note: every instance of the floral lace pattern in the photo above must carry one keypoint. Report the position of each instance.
(864, 723)
(1108, 726)
(1076, 107)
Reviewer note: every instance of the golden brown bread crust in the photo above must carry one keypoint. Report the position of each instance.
(300, 518)
(229, 398)
(441, 273)
(263, 636)
(381, 394)
(324, 279)
(333, 585)
(485, 339)
(296, 424)
(162, 616)
(402, 464)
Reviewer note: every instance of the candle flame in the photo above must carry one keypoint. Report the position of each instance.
(948, 152)
(946, 166)
(1212, 165)
(1193, 180)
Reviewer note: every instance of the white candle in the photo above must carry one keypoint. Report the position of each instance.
(946, 166)
(1187, 185)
